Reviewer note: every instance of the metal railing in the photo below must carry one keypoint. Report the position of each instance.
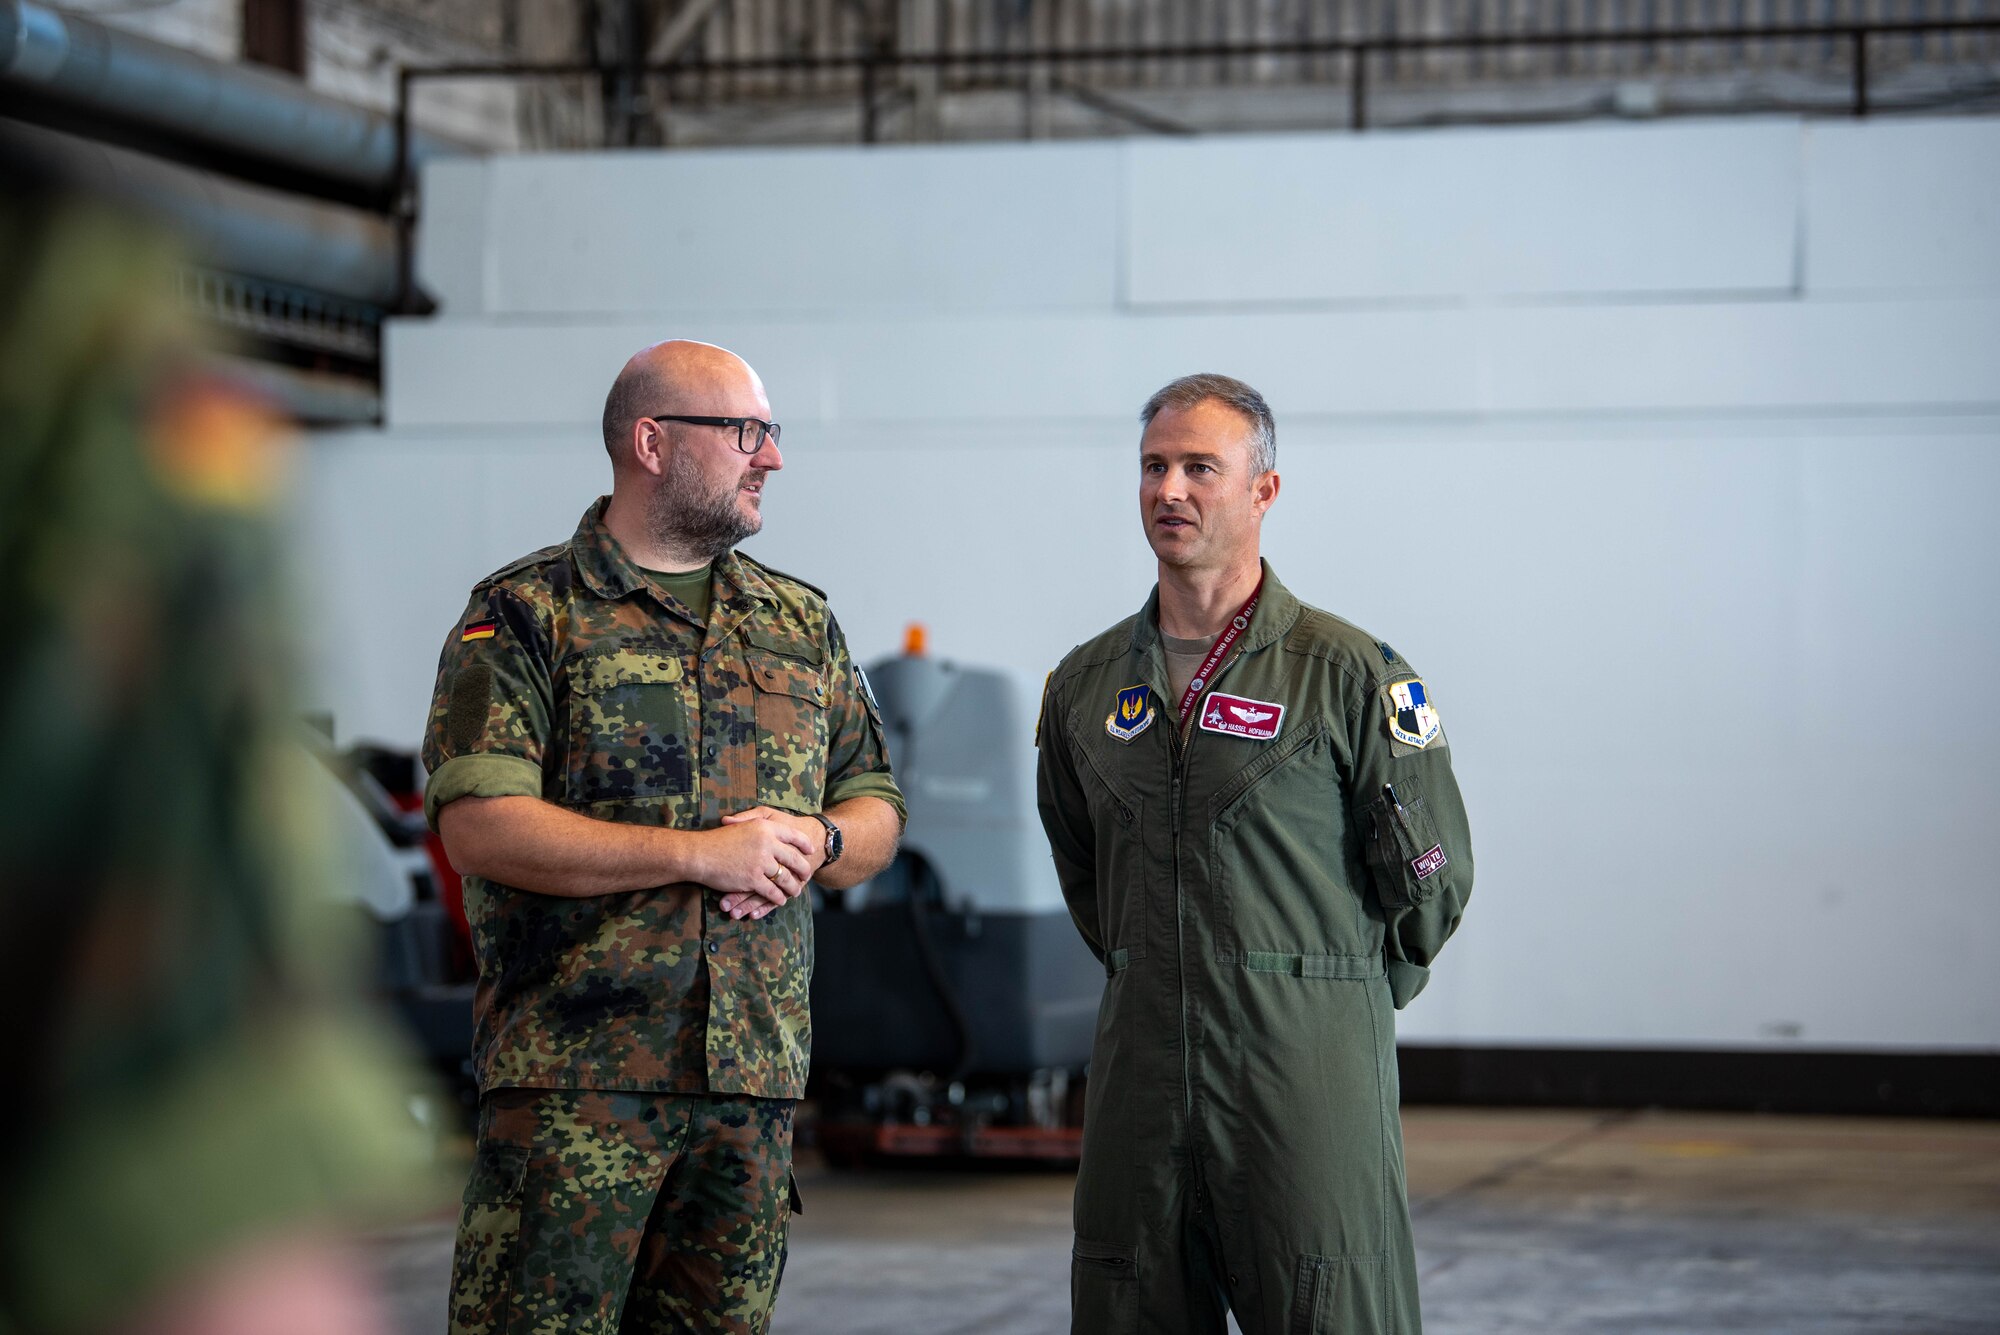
(1359, 57)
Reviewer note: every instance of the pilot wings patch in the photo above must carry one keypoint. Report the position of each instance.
(1237, 716)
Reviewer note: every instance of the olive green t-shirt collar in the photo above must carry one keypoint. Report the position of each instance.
(1276, 611)
(611, 573)
(692, 587)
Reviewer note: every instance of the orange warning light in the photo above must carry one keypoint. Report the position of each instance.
(915, 639)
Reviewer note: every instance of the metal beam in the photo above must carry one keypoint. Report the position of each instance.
(1119, 108)
(681, 30)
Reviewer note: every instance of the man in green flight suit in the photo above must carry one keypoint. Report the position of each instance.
(642, 746)
(1255, 824)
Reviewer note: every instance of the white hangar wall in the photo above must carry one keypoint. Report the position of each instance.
(1668, 453)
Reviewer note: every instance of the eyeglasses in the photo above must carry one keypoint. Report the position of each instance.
(751, 432)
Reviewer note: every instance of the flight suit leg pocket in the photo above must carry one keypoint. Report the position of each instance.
(487, 1254)
(1404, 852)
(1312, 1294)
(1336, 1294)
(1103, 1287)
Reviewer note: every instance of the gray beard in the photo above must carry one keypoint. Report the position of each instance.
(682, 516)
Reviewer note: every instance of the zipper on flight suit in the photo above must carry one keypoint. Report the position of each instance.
(1178, 761)
(1177, 781)
(1183, 746)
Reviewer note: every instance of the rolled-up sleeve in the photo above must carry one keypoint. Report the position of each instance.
(857, 758)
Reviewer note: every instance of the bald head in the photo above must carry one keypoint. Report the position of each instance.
(677, 376)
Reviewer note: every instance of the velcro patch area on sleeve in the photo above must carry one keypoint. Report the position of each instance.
(465, 716)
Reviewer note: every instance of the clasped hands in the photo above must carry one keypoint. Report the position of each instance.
(762, 858)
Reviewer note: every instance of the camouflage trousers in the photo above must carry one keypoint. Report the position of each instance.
(604, 1212)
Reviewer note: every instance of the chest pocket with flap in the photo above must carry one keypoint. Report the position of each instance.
(789, 674)
(630, 725)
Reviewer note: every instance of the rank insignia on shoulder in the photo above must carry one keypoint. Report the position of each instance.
(1413, 720)
(479, 630)
(1388, 654)
(867, 691)
(1131, 713)
(1237, 716)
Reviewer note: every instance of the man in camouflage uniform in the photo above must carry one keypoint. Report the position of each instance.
(1256, 827)
(193, 1096)
(643, 745)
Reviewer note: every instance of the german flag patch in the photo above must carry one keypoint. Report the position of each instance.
(478, 630)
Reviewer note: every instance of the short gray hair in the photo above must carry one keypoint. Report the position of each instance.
(1189, 390)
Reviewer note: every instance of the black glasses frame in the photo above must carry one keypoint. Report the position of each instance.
(742, 425)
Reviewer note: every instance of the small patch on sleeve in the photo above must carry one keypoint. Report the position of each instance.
(465, 716)
(1388, 654)
(1429, 864)
(479, 630)
(1413, 719)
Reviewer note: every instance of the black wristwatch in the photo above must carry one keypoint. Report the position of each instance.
(833, 840)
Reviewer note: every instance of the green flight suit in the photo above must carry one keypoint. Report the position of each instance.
(1262, 905)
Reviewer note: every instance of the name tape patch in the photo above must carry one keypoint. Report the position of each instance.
(1238, 716)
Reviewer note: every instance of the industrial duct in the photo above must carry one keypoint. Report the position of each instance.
(248, 112)
(233, 226)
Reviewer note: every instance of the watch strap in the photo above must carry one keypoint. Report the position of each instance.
(834, 841)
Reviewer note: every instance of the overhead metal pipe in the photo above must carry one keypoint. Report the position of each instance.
(236, 109)
(232, 226)
(312, 398)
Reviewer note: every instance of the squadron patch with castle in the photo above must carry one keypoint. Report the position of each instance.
(1413, 720)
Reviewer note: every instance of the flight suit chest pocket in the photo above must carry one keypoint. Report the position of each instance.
(631, 726)
(792, 699)
(1277, 899)
(489, 1242)
(1117, 812)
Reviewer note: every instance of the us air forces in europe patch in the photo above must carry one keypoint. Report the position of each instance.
(1131, 713)
(1413, 720)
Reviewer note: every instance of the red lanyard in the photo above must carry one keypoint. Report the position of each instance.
(1237, 625)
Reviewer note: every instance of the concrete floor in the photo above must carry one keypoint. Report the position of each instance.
(1556, 1223)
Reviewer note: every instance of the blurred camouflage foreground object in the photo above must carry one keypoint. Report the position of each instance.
(191, 1101)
